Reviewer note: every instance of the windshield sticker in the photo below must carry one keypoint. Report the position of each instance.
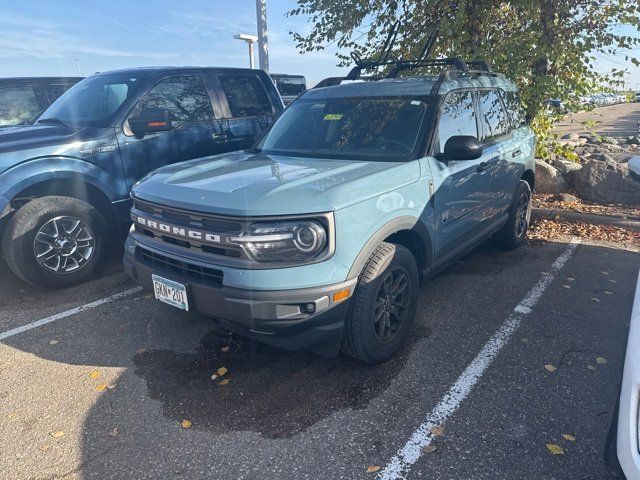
(333, 116)
(416, 102)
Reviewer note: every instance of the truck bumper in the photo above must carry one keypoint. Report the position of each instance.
(279, 318)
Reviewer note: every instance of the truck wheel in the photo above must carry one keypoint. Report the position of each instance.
(384, 305)
(55, 242)
(513, 233)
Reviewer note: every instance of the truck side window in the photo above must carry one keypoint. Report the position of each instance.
(457, 117)
(18, 105)
(246, 95)
(186, 98)
(493, 116)
(514, 105)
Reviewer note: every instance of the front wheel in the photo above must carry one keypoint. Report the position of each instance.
(55, 242)
(384, 305)
(515, 230)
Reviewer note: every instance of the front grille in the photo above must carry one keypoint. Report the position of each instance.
(225, 227)
(205, 275)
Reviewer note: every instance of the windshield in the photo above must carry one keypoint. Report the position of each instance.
(93, 102)
(291, 85)
(356, 128)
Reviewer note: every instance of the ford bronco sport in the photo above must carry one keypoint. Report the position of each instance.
(64, 182)
(319, 236)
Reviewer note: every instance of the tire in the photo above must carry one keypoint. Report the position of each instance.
(48, 222)
(364, 338)
(513, 233)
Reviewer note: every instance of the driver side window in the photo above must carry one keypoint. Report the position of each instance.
(457, 117)
(185, 98)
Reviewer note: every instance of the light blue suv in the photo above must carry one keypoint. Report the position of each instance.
(319, 236)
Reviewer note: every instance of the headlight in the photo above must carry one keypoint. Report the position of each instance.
(288, 241)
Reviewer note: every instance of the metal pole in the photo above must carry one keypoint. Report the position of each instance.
(251, 64)
(263, 41)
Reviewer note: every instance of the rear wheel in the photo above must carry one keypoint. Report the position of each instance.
(384, 305)
(55, 242)
(515, 230)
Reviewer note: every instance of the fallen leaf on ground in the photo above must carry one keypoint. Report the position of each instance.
(555, 449)
(613, 281)
(101, 387)
(595, 299)
(185, 423)
(53, 342)
(221, 371)
(601, 361)
(571, 279)
(569, 437)
(566, 286)
(591, 367)
(608, 292)
(94, 374)
(114, 433)
(224, 382)
(437, 430)
(57, 434)
(373, 468)
(225, 349)
(429, 448)
(140, 351)
(111, 386)
(605, 273)
(550, 367)
(45, 447)
(214, 376)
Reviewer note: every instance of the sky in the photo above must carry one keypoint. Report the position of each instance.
(39, 37)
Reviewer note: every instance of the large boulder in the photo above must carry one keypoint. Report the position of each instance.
(565, 166)
(605, 182)
(570, 136)
(549, 179)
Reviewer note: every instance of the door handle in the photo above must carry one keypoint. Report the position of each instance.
(220, 137)
(517, 153)
(483, 166)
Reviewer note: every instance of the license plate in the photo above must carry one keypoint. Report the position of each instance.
(170, 292)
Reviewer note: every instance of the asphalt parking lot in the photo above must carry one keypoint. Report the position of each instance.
(100, 393)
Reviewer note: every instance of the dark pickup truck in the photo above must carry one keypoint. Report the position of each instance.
(23, 99)
(65, 181)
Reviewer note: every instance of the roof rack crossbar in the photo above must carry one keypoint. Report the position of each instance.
(455, 62)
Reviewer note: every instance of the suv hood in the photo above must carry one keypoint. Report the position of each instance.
(248, 184)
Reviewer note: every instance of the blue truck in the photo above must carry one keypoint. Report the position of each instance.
(65, 181)
(319, 235)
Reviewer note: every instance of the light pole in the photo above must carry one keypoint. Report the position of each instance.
(263, 41)
(250, 39)
(77, 60)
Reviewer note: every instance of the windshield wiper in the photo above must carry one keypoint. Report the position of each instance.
(53, 120)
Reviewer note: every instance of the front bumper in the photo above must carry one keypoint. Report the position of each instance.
(274, 317)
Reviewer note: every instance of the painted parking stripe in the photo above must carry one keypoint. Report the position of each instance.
(68, 313)
(399, 466)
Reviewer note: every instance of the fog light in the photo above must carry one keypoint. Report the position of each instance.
(309, 308)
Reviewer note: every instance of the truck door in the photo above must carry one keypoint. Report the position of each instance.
(187, 99)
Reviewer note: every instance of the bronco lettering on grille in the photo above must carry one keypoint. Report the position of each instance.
(183, 232)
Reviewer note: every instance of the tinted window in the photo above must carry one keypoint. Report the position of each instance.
(354, 128)
(516, 111)
(246, 95)
(186, 98)
(493, 116)
(18, 105)
(93, 101)
(290, 85)
(457, 117)
(58, 89)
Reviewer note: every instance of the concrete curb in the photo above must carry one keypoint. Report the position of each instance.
(632, 223)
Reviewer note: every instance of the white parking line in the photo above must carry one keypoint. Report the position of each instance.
(68, 313)
(399, 466)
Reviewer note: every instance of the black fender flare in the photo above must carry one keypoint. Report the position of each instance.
(396, 225)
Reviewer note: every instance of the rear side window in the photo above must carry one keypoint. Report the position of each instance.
(516, 111)
(457, 117)
(186, 98)
(18, 105)
(493, 116)
(58, 89)
(245, 95)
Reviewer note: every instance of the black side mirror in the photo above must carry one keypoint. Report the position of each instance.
(462, 147)
(150, 120)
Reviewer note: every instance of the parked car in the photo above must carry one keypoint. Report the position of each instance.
(319, 235)
(557, 106)
(637, 97)
(23, 99)
(64, 182)
(289, 86)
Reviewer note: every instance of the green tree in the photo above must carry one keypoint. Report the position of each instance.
(547, 46)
